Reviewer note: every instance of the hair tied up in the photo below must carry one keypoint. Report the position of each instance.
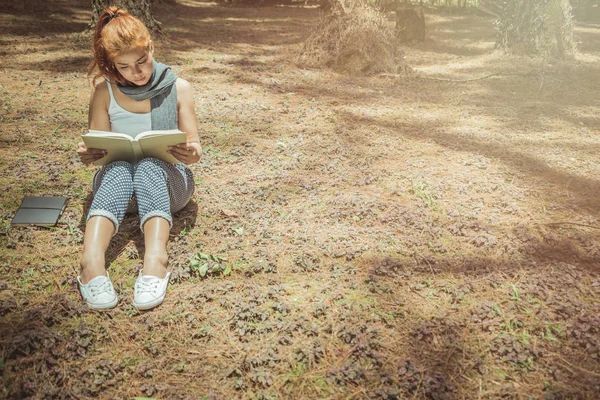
(111, 38)
(113, 16)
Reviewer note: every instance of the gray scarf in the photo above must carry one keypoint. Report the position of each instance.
(162, 92)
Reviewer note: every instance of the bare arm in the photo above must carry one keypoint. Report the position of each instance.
(98, 112)
(188, 153)
(97, 119)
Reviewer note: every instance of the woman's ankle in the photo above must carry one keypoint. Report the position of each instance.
(155, 263)
(91, 267)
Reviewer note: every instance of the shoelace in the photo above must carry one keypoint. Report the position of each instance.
(144, 287)
(104, 287)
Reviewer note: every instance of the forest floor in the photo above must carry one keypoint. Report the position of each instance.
(366, 237)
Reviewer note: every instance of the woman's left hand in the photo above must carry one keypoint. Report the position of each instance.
(187, 153)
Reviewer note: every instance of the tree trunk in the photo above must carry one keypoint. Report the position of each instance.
(325, 5)
(537, 27)
(137, 8)
(491, 7)
(410, 24)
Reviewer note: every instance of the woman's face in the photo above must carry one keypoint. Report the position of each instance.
(135, 65)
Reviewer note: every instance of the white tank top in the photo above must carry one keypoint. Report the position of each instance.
(124, 121)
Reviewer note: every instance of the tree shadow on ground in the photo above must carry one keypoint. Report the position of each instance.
(588, 35)
(43, 18)
(585, 189)
(27, 333)
(437, 46)
(531, 108)
(205, 25)
(338, 94)
(528, 109)
(67, 64)
(544, 89)
(440, 338)
(473, 34)
(543, 95)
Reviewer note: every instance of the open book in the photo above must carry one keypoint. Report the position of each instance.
(122, 147)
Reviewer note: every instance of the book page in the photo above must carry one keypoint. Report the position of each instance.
(118, 148)
(156, 133)
(93, 132)
(156, 145)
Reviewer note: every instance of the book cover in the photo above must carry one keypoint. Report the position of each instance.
(57, 203)
(42, 211)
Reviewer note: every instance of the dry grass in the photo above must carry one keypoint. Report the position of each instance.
(351, 37)
(387, 238)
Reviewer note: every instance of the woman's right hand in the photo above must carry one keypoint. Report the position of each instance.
(88, 156)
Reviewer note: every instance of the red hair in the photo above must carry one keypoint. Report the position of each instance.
(115, 31)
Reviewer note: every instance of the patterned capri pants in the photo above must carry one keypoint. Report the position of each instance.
(159, 188)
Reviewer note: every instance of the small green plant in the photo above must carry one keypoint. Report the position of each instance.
(515, 294)
(208, 264)
(389, 316)
(129, 310)
(551, 332)
(422, 190)
(498, 310)
(524, 366)
(28, 275)
(322, 385)
(523, 337)
(57, 129)
(130, 361)
(180, 367)
(298, 369)
(184, 230)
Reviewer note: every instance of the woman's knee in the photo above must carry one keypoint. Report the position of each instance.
(119, 172)
(122, 167)
(149, 171)
(150, 163)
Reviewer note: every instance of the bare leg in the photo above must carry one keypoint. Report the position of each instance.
(156, 235)
(98, 233)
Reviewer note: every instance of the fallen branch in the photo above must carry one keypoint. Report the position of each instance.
(532, 73)
(570, 223)
(558, 356)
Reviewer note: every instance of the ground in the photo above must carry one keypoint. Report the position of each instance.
(422, 235)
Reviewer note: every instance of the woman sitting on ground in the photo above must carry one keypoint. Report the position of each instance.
(133, 93)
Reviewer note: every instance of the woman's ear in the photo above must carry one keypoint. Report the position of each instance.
(151, 48)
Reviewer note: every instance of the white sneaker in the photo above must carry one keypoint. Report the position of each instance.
(99, 293)
(149, 291)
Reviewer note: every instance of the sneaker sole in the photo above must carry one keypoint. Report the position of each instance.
(148, 306)
(106, 306)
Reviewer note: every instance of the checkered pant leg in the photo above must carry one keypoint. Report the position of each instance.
(112, 188)
(161, 188)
